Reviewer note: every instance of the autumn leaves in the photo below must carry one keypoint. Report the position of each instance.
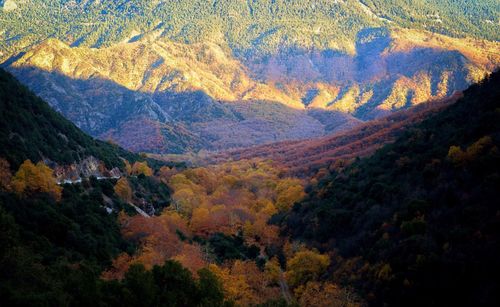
(30, 178)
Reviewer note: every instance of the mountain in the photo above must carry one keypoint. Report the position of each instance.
(31, 129)
(417, 222)
(247, 27)
(174, 77)
(55, 240)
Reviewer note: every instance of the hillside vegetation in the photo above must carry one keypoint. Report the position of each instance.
(57, 239)
(31, 129)
(245, 26)
(417, 222)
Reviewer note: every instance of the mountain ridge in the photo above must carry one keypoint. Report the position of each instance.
(196, 88)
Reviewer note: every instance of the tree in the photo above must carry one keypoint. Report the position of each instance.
(128, 167)
(456, 155)
(142, 168)
(175, 284)
(140, 288)
(289, 192)
(123, 189)
(306, 266)
(37, 178)
(210, 288)
(200, 221)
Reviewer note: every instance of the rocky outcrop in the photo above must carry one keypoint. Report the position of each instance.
(85, 168)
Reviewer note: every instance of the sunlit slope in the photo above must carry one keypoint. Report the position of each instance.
(247, 27)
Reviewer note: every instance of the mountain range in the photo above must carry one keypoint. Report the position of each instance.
(184, 77)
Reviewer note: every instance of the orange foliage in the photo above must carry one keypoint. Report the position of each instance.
(245, 284)
(192, 257)
(142, 168)
(123, 190)
(158, 241)
(36, 178)
(229, 198)
(232, 197)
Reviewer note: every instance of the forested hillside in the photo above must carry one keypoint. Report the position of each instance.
(308, 157)
(246, 26)
(31, 129)
(56, 240)
(375, 183)
(417, 223)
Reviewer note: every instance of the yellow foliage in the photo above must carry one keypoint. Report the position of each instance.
(456, 155)
(459, 157)
(306, 266)
(123, 190)
(289, 192)
(184, 201)
(385, 272)
(244, 283)
(128, 167)
(36, 178)
(235, 286)
(476, 149)
(273, 270)
(142, 168)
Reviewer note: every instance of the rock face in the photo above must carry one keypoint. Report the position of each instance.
(86, 168)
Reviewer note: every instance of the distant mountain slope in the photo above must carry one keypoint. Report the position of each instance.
(167, 97)
(30, 129)
(417, 223)
(247, 27)
(159, 96)
(182, 76)
(306, 157)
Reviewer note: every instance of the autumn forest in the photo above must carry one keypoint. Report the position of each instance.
(270, 153)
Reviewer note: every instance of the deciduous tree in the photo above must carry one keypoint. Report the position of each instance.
(123, 189)
(306, 266)
(142, 168)
(31, 178)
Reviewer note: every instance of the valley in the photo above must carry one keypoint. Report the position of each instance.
(249, 153)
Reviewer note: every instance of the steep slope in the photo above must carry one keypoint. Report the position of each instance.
(56, 240)
(166, 97)
(30, 129)
(417, 223)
